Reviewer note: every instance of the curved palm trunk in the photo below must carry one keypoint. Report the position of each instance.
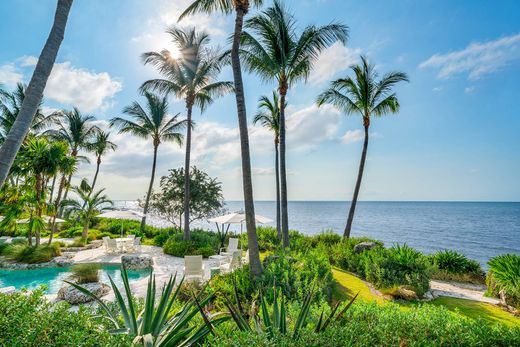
(143, 221)
(56, 206)
(283, 175)
(52, 188)
(277, 175)
(34, 91)
(39, 187)
(348, 228)
(97, 172)
(84, 234)
(187, 178)
(255, 265)
(67, 187)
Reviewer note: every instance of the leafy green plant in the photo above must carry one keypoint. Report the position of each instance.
(78, 242)
(155, 325)
(504, 276)
(451, 265)
(201, 243)
(21, 252)
(86, 273)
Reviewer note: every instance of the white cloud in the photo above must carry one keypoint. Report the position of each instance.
(352, 136)
(28, 60)
(469, 90)
(9, 75)
(477, 59)
(333, 60)
(438, 89)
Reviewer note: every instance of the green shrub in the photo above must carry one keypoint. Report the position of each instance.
(504, 276)
(328, 238)
(21, 252)
(201, 243)
(161, 238)
(86, 273)
(454, 266)
(78, 242)
(28, 319)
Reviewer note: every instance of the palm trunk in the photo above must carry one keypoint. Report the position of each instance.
(34, 91)
(277, 175)
(187, 178)
(143, 221)
(39, 185)
(52, 188)
(84, 235)
(67, 187)
(56, 206)
(255, 265)
(283, 174)
(97, 172)
(348, 228)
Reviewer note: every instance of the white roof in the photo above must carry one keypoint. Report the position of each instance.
(236, 218)
(122, 214)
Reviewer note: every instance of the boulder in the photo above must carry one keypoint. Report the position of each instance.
(64, 260)
(136, 261)
(364, 246)
(73, 296)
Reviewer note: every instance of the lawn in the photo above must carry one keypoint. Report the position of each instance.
(348, 285)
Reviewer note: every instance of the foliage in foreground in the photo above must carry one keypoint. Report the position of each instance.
(155, 325)
(30, 320)
(504, 276)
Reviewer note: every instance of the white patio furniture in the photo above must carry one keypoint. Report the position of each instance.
(128, 245)
(193, 268)
(232, 247)
(137, 244)
(234, 262)
(219, 259)
(130, 236)
(112, 246)
(105, 243)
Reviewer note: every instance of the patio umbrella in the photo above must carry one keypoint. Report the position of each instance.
(123, 215)
(237, 217)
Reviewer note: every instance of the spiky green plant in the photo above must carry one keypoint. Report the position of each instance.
(504, 275)
(155, 325)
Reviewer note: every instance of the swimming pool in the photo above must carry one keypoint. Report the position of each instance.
(53, 277)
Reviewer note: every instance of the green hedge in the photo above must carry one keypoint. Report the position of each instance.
(201, 243)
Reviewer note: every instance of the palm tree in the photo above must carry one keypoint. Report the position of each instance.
(152, 123)
(273, 50)
(34, 92)
(241, 7)
(89, 204)
(269, 116)
(78, 131)
(190, 77)
(366, 95)
(101, 146)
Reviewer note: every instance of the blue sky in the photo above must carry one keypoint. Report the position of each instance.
(455, 138)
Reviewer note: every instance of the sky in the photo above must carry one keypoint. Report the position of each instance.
(456, 136)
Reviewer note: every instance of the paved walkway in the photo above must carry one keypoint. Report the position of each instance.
(461, 290)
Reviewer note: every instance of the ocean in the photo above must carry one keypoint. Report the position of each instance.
(480, 230)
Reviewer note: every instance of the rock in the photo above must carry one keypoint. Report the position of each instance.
(63, 261)
(405, 294)
(136, 261)
(73, 296)
(364, 246)
(428, 296)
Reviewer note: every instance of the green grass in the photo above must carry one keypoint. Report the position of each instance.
(346, 285)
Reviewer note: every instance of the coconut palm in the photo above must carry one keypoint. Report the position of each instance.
(101, 146)
(269, 116)
(191, 77)
(34, 92)
(151, 123)
(272, 48)
(78, 131)
(90, 204)
(367, 96)
(240, 7)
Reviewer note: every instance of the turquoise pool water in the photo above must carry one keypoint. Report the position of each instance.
(53, 277)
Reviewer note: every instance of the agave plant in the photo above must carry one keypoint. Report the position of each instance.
(154, 325)
(504, 274)
(274, 318)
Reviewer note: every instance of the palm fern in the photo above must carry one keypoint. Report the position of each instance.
(151, 122)
(191, 77)
(367, 96)
(274, 50)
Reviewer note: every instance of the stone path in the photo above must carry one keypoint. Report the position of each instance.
(461, 290)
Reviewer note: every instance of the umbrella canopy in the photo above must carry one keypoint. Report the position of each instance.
(122, 214)
(46, 219)
(238, 218)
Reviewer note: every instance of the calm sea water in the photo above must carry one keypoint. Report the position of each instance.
(480, 230)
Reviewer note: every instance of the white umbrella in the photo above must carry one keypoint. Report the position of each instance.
(236, 218)
(122, 214)
(46, 219)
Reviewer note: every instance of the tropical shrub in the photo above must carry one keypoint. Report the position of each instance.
(201, 243)
(23, 253)
(267, 238)
(86, 273)
(28, 319)
(161, 238)
(504, 278)
(78, 242)
(454, 266)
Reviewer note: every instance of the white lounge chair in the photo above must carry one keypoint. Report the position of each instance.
(245, 260)
(137, 244)
(232, 247)
(128, 246)
(193, 268)
(112, 246)
(130, 236)
(234, 262)
(105, 243)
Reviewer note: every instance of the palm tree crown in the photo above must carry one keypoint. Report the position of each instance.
(269, 114)
(364, 94)
(76, 129)
(102, 145)
(223, 6)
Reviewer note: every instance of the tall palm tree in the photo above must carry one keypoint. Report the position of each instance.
(89, 204)
(241, 7)
(78, 131)
(151, 123)
(367, 96)
(191, 77)
(34, 92)
(101, 146)
(269, 116)
(274, 50)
